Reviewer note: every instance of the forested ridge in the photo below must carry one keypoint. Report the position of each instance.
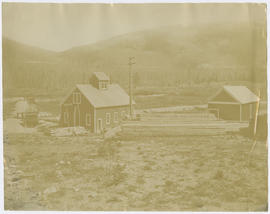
(166, 56)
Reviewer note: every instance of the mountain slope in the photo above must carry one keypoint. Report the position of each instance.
(163, 56)
(24, 65)
(234, 50)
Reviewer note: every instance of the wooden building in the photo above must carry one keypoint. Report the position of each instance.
(96, 106)
(234, 103)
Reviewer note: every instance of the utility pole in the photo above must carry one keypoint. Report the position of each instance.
(256, 114)
(130, 63)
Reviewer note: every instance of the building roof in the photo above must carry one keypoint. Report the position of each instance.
(113, 96)
(240, 93)
(101, 76)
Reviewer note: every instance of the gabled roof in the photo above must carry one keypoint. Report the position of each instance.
(240, 93)
(113, 96)
(101, 76)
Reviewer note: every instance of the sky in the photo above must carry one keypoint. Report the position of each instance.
(59, 27)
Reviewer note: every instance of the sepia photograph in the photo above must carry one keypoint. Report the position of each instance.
(135, 107)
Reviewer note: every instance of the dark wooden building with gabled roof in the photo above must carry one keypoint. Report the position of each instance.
(234, 103)
(97, 106)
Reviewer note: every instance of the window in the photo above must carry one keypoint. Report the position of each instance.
(103, 85)
(76, 98)
(65, 117)
(108, 118)
(88, 119)
(115, 116)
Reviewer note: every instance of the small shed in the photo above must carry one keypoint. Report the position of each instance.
(234, 103)
(27, 110)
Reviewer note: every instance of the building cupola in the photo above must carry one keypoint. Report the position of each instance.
(100, 80)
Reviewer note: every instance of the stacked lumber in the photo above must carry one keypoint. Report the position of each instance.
(174, 124)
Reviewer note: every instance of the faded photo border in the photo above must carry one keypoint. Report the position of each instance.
(115, 2)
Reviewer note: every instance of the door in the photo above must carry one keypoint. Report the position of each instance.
(99, 126)
(76, 116)
(250, 111)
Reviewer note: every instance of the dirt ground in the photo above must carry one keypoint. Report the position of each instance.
(130, 172)
(182, 173)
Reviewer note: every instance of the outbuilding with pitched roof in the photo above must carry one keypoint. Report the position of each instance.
(234, 103)
(97, 105)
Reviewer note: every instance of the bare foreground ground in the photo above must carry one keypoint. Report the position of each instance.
(143, 173)
(143, 169)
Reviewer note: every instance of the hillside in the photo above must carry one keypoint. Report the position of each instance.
(26, 66)
(165, 56)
